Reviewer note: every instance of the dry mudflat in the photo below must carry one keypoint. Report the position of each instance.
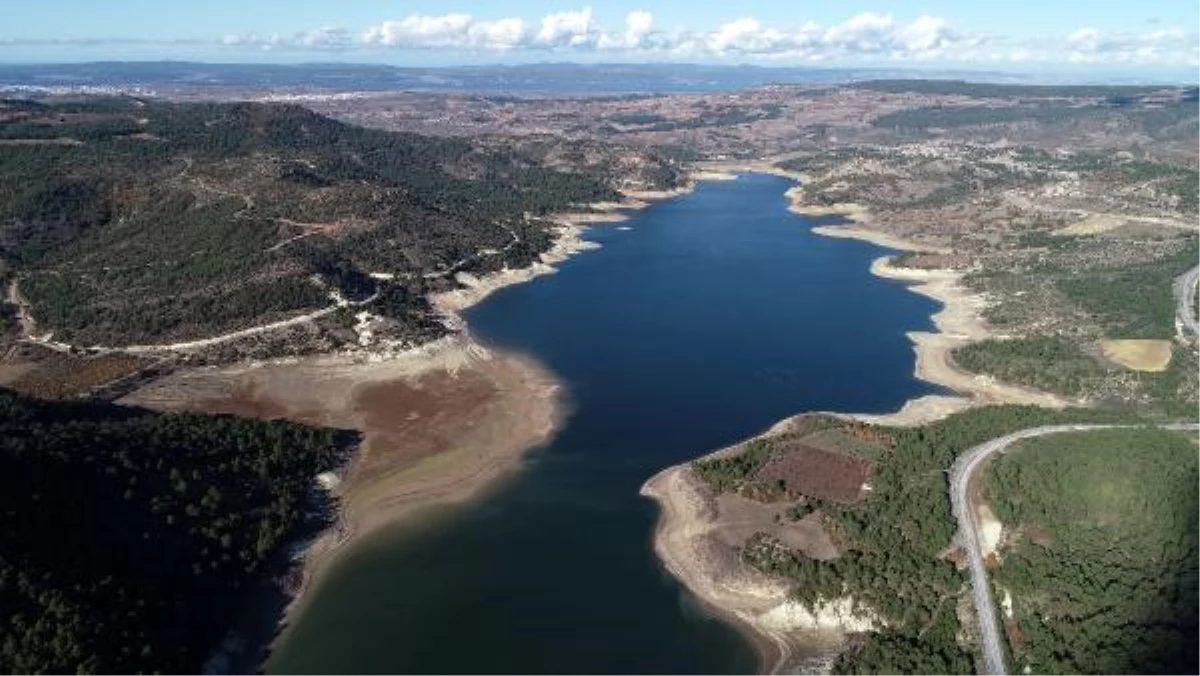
(438, 423)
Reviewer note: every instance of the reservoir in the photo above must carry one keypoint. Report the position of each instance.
(701, 320)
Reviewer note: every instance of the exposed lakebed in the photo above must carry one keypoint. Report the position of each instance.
(709, 318)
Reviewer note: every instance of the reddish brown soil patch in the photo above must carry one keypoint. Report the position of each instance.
(436, 427)
(991, 561)
(1013, 632)
(1039, 536)
(869, 434)
(957, 557)
(58, 375)
(817, 473)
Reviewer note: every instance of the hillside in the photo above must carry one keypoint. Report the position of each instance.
(1099, 573)
(128, 222)
(893, 552)
(130, 540)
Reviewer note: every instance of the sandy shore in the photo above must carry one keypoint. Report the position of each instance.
(959, 322)
(859, 232)
(849, 210)
(684, 539)
(788, 637)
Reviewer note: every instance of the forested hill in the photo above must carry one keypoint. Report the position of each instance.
(128, 221)
(128, 539)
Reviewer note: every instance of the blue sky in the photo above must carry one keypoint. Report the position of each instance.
(1149, 34)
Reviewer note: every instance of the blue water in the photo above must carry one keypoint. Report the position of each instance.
(714, 315)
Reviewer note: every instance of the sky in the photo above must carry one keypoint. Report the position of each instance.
(1148, 35)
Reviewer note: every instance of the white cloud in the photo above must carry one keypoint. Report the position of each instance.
(327, 38)
(865, 37)
(568, 29)
(926, 34)
(638, 25)
(744, 35)
(1083, 36)
(449, 31)
(638, 35)
(866, 33)
(502, 34)
(1158, 47)
(868, 37)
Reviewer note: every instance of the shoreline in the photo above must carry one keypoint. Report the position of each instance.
(416, 398)
(685, 515)
(752, 603)
(568, 241)
(522, 414)
(415, 451)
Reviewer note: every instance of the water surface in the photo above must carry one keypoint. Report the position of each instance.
(711, 317)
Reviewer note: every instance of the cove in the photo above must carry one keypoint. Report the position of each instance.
(701, 320)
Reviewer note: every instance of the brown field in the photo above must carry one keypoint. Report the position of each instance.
(1139, 355)
(58, 376)
(739, 518)
(817, 473)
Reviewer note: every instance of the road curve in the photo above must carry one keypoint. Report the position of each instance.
(1185, 294)
(968, 536)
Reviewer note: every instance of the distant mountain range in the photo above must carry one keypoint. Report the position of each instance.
(165, 77)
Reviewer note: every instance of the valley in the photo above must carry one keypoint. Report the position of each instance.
(333, 257)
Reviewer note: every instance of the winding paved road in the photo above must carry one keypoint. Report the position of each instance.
(968, 536)
(1185, 296)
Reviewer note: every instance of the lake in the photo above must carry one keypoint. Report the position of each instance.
(702, 320)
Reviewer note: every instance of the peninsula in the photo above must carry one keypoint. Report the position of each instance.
(1046, 279)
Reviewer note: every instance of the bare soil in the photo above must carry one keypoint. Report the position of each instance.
(818, 473)
(1138, 355)
(738, 518)
(56, 375)
(438, 424)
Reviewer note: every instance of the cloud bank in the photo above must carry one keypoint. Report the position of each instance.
(867, 34)
(868, 37)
